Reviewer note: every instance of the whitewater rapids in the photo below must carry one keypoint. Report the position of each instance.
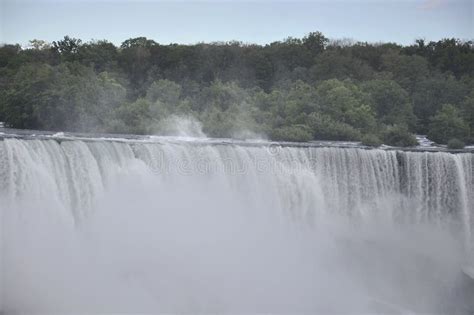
(115, 225)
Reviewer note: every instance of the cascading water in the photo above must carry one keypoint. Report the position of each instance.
(175, 226)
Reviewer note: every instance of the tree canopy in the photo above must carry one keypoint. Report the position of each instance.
(295, 89)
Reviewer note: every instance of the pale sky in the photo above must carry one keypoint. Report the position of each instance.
(260, 21)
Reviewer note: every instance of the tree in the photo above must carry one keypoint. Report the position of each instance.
(334, 64)
(8, 53)
(456, 144)
(467, 112)
(67, 48)
(324, 127)
(345, 102)
(340, 90)
(39, 44)
(134, 118)
(287, 55)
(166, 91)
(399, 136)
(407, 71)
(23, 96)
(432, 93)
(101, 55)
(315, 42)
(138, 42)
(448, 124)
(371, 140)
(452, 55)
(135, 60)
(263, 69)
(65, 97)
(296, 133)
(390, 102)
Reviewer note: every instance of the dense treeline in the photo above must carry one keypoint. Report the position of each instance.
(296, 89)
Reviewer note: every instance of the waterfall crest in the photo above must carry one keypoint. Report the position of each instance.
(302, 182)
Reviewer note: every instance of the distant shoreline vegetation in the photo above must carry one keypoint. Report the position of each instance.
(292, 90)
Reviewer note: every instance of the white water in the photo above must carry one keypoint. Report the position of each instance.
(107, 226)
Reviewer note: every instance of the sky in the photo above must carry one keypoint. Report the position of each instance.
(259, 21)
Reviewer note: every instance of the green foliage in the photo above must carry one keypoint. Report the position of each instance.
(65, 97)
(67, 48)
(448, 124)
(22, 98)
(406, 70)
(134, 118)
(456, 144)
(399, 136)
(467, 112)
(9, 54)
(297, 89)
(324, 127)
(371, 141)
(296, 133)
(227, 109)
(332, 64)
(164, 91)
(345, 102)
(315, 42)
(448, 55)
(137, 42)
(432, 93)
(390, 102)
(101, 55)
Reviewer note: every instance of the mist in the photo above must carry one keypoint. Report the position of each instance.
(210, 253)
(181, 126)
(177, 231)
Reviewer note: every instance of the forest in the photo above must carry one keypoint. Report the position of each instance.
(297, 89)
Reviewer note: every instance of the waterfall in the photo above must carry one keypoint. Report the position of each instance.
(144, 221)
